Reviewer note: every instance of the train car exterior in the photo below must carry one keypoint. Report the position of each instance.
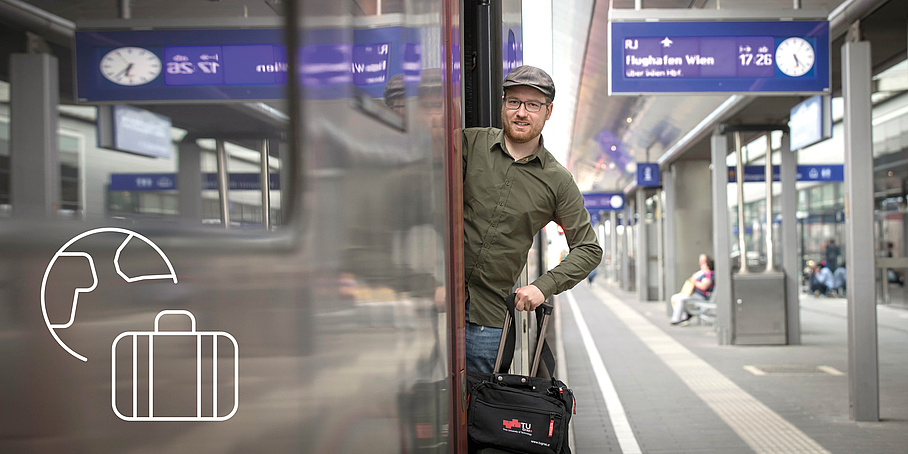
(156, 306)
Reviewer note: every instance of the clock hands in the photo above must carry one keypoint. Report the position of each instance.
(125, 71)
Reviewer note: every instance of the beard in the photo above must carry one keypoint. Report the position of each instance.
(523, 135)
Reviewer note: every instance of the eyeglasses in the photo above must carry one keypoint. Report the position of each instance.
(531, 106)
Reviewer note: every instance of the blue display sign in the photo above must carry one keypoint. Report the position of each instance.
(241, 64)
(610, 201)
(134, 130)
(648, 174)
(698, 57)
(151, 65)
(168, 181)
(810, 122)
(371, 64)
(815, 172)
(512, 49)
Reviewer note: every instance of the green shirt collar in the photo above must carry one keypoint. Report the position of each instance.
(538, 155)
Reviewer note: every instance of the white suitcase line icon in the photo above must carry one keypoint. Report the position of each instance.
(135, 375)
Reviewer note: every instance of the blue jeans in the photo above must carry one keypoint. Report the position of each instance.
(482, 345)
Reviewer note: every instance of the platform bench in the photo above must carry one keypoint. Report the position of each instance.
(705, 310)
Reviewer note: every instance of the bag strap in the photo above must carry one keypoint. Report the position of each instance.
(509, 340)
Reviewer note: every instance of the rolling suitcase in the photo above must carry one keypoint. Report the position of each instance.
(519, 413)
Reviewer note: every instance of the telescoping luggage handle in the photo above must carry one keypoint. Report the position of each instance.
(509, 337)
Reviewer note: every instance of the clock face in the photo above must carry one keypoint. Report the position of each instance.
(795, 56)
(130, 66)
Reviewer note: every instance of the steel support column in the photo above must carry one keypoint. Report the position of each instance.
(223, 183)
(265, 178)
(863, 360)
(189, 182)
(791, 262)
(641, 255)
(627, 247)
(722, 241)
(668, 212)
(34, 142)
(613, 247)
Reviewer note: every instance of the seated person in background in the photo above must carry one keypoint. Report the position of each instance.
(821, 279)
(703, 287)
(839, 279)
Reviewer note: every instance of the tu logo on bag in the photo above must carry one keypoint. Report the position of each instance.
(513, 426)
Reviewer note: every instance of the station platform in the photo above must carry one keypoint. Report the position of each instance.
(645, 386)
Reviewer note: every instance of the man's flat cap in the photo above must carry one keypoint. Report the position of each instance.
(530, 76)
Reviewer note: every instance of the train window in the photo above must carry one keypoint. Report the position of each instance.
(177, 185)
(110, 183)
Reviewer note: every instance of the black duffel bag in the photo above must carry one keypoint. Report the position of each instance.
(520, 413)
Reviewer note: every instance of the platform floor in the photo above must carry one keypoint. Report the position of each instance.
(645, 386)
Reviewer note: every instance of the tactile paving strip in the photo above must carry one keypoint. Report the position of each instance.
(760, 427)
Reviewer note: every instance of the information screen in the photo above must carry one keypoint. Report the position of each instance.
(697, 57)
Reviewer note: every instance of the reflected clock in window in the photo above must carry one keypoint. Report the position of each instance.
(130, 66)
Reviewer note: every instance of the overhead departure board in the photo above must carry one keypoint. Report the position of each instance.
(605, 201)
(163, 65)
(225, 65)
(722, 57)
(152, 65)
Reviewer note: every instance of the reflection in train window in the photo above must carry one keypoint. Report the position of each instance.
(386, 60)
(71, 144)
(375, 7)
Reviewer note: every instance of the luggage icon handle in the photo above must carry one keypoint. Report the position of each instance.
(139, 340)
(157, 318)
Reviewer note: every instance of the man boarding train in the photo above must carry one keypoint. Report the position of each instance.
(512, 188)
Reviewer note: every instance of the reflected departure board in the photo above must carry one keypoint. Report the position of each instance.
(240, 64)
(225, 65)
(168, 65)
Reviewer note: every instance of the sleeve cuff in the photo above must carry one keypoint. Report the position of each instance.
(546, 284)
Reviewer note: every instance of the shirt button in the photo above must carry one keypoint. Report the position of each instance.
(507, 183)
(501, 204)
